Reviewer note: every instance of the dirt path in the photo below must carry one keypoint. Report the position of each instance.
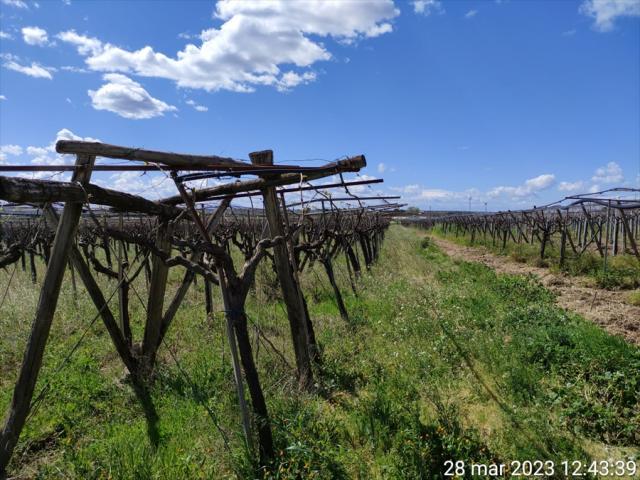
(603, 307)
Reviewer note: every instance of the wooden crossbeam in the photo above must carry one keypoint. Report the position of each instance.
(352, 164)
(22, 190)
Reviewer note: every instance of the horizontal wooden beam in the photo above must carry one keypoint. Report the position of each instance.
(22, 190)
(344, 199)
(352, 164)
(139, 154)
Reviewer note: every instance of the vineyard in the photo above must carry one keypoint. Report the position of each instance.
(316, 334)
(596, 233)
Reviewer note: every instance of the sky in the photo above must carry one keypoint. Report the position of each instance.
(497, 104)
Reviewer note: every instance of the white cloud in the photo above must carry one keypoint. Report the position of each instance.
(11, 149)
(504, 196)
(2, 97)
(571, 186)
(291, 79)
(611, 173)
(37, 151)
(528, 189)
(427, 7)
(605, 12)
(6, 150)
(199, 108)
(35, 70)
(249, 49)
(71, 68)
(35, 36)
(471, 14)
(569, 33)
(382, 167)
(127, 98)
(418, 194)
(15, 3)
(148, 185)
(45, 155)
(85, 45)
(5, 35)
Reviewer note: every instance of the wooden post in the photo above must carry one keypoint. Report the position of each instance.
(32, 360)
(123, 289)
(314, 349)
(594, 236)
(74, 287)
(295, 308)
(606, 236)
(208, 299)
(76, 259)
(157, 287)
(627, 229)
(328, 268)
(563, 240)
(235, 361)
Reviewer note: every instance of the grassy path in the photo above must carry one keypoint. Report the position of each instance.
(444, 359)
(611, 309)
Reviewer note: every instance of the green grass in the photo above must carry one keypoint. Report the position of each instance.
(622, 272)
(633, 298)
(443, 360)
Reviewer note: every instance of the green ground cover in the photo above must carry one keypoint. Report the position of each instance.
(442, 360)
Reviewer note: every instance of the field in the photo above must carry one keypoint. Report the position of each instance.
(442, 359)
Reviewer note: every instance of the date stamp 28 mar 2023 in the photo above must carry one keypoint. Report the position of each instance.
(543, 468)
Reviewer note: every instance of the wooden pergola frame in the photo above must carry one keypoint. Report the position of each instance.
(270, 185)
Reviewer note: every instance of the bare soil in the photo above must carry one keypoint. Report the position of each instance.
(605, 308)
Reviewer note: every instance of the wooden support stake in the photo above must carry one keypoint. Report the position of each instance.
(93, 289)
(157, 288)
(295, 308)
(32, 360)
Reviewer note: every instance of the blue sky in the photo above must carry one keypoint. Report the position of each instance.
(513, 103)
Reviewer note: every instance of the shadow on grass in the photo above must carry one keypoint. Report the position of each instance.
(150, 412)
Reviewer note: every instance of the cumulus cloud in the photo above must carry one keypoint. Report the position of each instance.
(15, 3)
(529, 188)
(571, 186)
(127, 98)
(611, 173)
(504, 196)
(605, 12)
(45, 155)
(471, 14)
(34, 70)
(2, 97)
(6, 150)
(249, 49)
(5, 35)
(419, 194)
(152, 186)
(85, 45)
(35, 36)
(427, 7)
(199, 108)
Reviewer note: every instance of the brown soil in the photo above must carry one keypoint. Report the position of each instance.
(603, 307)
